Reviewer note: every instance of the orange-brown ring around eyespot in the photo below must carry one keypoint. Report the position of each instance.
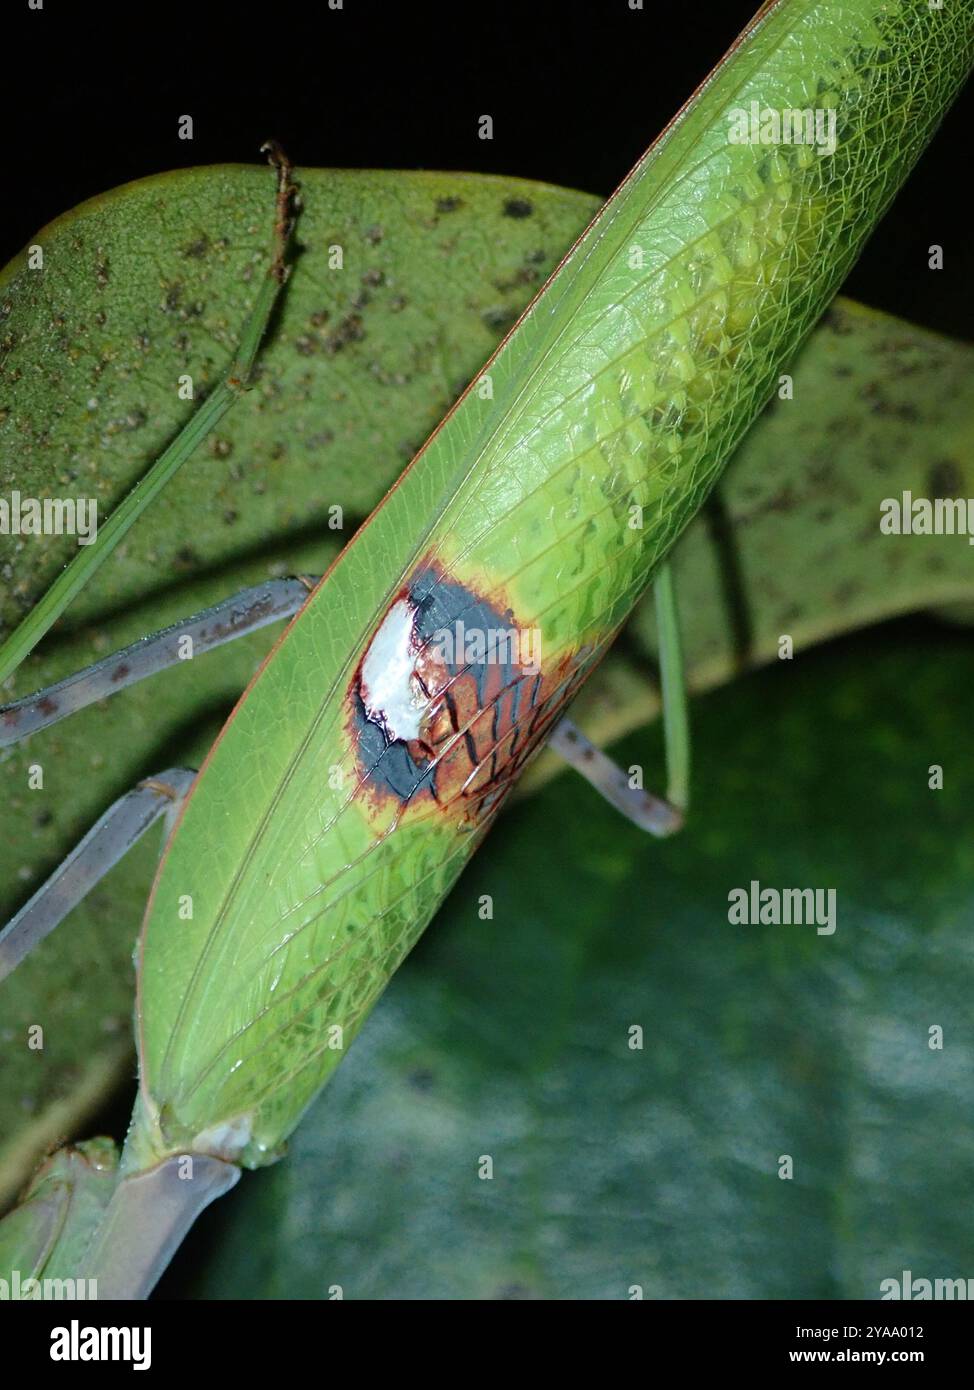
(485, 718)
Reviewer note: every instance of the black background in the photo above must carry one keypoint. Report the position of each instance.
(576, 90)
(235, 1342)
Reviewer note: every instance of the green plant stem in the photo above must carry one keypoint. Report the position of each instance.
(88, 560)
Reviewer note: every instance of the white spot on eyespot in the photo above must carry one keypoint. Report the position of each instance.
(390, 690)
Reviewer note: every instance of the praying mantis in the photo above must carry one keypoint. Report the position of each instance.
(368, 759)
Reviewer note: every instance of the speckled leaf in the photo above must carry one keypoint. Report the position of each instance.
(154, 280)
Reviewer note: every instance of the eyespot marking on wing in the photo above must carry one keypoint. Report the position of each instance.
(451, 697)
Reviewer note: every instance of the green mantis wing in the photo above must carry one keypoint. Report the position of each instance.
(376, 744)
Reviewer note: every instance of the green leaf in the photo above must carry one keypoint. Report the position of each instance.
(659, 1167)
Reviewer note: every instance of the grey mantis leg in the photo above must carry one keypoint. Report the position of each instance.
(649, 812)
(127, 819)
(131, 816)
(125, 822)
(657, 815)
(245, 612)
(147, 1219)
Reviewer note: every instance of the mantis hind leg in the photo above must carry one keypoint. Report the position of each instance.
(245, 612)
(125, 822)
(649, 812)
(128, 818)
(660, 816)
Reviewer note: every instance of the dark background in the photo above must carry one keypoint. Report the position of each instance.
(577, 90)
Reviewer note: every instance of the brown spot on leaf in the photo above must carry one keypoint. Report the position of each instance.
(350, 330)
(499, 317)
(945, 479)
(526, 275)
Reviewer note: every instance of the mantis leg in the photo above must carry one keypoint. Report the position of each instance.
(649, 812)
(125, 822)
(85, 1217)
(147, 1218)
(245, 612)
(657, 815)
